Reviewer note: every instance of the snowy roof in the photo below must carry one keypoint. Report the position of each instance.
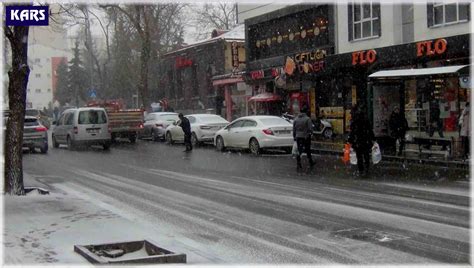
(236, 34)
(418, 72)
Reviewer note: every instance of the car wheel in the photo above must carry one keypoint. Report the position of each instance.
(154, 136)
(106, 146)
(55, 143)
(70, 143)
(288, 150)
(220, 144)
(169, 138)
(327, 133)
(32, 150)
(194, 140)
(132, 138)
(254, 146)
(44, 149)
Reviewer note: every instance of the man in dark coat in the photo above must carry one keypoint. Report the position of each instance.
(302, 131)
(398, 128)
(186, 126)
(361, 139)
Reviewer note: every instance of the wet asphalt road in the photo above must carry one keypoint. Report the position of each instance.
(247, 209)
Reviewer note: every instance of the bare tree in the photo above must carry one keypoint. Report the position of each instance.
(18, 81)
(221, 15)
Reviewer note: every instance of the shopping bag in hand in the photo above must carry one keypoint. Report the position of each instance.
(294, 150)
(346, 155)
(353, 157)
(376, 154)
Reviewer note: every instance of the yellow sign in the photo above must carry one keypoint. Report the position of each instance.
(354, 95)
(331, 112)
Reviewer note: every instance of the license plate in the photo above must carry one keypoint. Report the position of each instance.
(93, 131)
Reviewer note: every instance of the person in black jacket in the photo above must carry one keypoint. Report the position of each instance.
(361, 139)
(398, 128)
(186, 126)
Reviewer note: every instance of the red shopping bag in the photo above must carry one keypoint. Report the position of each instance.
(346, 156)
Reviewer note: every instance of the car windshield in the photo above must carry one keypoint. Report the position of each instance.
(168, 117)
(212, 119)
(29, 122)
(274, 121)
(31, 112)
(92, 117)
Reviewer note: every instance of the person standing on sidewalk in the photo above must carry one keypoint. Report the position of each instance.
(465, 123)
(361, 139)
(186, 126)
(398, 128)
(302, 131)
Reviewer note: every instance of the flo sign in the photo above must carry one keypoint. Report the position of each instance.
(27, 15)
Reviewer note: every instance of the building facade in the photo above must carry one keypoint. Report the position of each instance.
(330, 71)
(205, 77)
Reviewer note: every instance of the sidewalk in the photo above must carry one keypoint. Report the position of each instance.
(336, 148)
(43, 229)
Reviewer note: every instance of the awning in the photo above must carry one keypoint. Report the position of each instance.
(265, 97)
(461, 69)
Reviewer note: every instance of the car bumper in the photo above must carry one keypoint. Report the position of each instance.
(276, 142)
(91, 142)
(36, 143)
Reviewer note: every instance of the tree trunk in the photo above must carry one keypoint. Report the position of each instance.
(18, 81)
(144, 65)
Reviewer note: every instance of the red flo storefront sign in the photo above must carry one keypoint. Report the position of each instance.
(430, 48)
(364, 57)
(183, 62)
(255, 75)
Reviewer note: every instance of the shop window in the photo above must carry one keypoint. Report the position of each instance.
(37, 60)
(38, 75)
(38, 90)
(364, 20)
(446, 13)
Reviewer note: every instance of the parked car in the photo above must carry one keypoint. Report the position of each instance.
(35, 135)
(82, 126)
(40, 115)
(256, 133)
(203, 128)
(156, 123)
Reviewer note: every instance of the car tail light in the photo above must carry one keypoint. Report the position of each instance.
(205, 127)
(76, 130)
(41, 129)
(159, 125)
(268, 131)
(109, 129)
(140, 126)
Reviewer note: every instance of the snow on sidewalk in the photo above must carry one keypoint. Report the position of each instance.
(43, 229)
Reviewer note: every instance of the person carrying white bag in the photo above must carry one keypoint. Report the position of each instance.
(376, 154)
(361, 138)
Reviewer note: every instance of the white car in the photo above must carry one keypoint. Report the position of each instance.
(256, 133)
(203, 128)
(156, 124)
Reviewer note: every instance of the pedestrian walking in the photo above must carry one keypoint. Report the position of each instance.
(302, 131)
(361, 138)
(465, 123)
(398, 127)
(186, 126)
(436, 123)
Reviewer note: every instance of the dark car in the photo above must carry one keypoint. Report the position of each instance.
(35, 135)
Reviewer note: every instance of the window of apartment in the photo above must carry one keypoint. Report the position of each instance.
(38, 75)
(445, 13)
(38, 90)
(37, 60)
(364, 20)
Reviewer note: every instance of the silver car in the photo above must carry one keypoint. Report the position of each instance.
(156, 124)
(82, 126)
(35, 135)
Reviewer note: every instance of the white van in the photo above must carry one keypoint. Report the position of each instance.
(82, 126)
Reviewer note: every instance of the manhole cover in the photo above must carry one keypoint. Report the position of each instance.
(367, 234)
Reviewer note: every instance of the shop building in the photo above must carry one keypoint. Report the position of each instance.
(332, 74)
(205, 77)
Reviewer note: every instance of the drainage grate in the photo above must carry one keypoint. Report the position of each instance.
(367, 234)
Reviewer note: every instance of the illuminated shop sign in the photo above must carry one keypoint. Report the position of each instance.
(183, 62)
(257, 74)
(430, 48)
(307, 62)
(364, 57)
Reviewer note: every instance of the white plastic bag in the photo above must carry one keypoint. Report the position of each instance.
(376, 154)
(294, 150)
(353, 157)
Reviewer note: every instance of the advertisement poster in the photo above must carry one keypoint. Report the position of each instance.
(385, 98)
